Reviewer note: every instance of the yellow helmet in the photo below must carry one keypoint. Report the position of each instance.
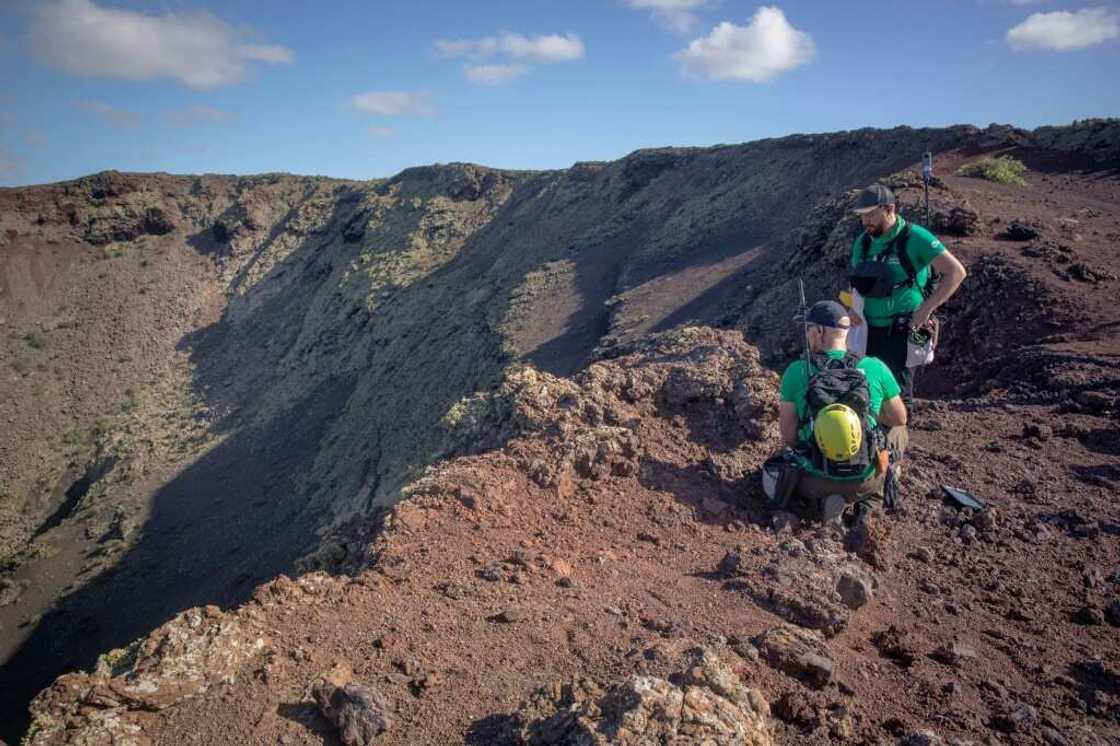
(838, 432)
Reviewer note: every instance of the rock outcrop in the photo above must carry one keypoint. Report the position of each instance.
(705, 704)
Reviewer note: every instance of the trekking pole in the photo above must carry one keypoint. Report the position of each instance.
(927, 174)
(804, 326)
(805, 341)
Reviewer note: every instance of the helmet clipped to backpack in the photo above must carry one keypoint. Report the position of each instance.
(838, 432)
(838, 399)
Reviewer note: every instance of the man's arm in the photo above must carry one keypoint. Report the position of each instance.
(893, 412)
(787, 423)
(952, 275)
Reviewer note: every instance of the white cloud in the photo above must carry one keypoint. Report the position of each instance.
(676, 15)
(272, 54)
(545, 48)
(494, 74)
(110, 114)
(467, 47)
(550, 48)
(757, 52)
(201, 114)
(1063, 30)
(381, 131)
(197, 49)
(392, 103)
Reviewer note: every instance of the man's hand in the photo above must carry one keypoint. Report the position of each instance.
(920, 319)
(952, 275)
(856, 319)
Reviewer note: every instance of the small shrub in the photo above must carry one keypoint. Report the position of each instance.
(1002, 170)
(73, 436)
(34, 341)
(22, 366)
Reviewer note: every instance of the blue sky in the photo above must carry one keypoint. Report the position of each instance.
(363, 89)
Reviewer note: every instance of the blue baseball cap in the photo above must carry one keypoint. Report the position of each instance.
(828, 313)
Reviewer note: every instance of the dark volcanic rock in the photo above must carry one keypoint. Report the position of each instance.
(953, 654)
(1017, 231)
(896, 644)
(855, 590)
(959, 221)
(358, 711)
(1018, 718)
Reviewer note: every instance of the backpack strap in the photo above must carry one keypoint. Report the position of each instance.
(864, 246)
(822, 361)
(898, 246)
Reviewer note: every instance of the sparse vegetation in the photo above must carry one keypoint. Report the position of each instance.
(1001, 169)
(34, 340)
(118, 661)
(22, 366)
(130, 402)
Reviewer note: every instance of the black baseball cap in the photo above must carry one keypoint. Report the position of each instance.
(828, 313)
(873, 196)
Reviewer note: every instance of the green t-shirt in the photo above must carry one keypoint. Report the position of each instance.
(922, 246)
(881, 385)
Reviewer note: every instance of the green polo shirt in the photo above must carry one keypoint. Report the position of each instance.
(881, 385)
(922, 247)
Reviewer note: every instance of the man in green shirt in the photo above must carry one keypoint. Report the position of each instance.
(898, 255)
(827, 329)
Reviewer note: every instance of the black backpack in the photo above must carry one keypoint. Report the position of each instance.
(839, 381)
(872, 277)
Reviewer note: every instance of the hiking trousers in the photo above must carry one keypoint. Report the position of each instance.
(813, 489)
(888, 343)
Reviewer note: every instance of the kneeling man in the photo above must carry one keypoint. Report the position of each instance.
(843, 419)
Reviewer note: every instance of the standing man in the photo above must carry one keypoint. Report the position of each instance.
(890, 268)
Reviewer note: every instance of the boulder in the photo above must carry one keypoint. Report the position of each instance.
(800, 653)
(708, 704)
(896, 645)
(358, 711)
(959, 221)
(954, 654)
(1017, 231)
(856, 591)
